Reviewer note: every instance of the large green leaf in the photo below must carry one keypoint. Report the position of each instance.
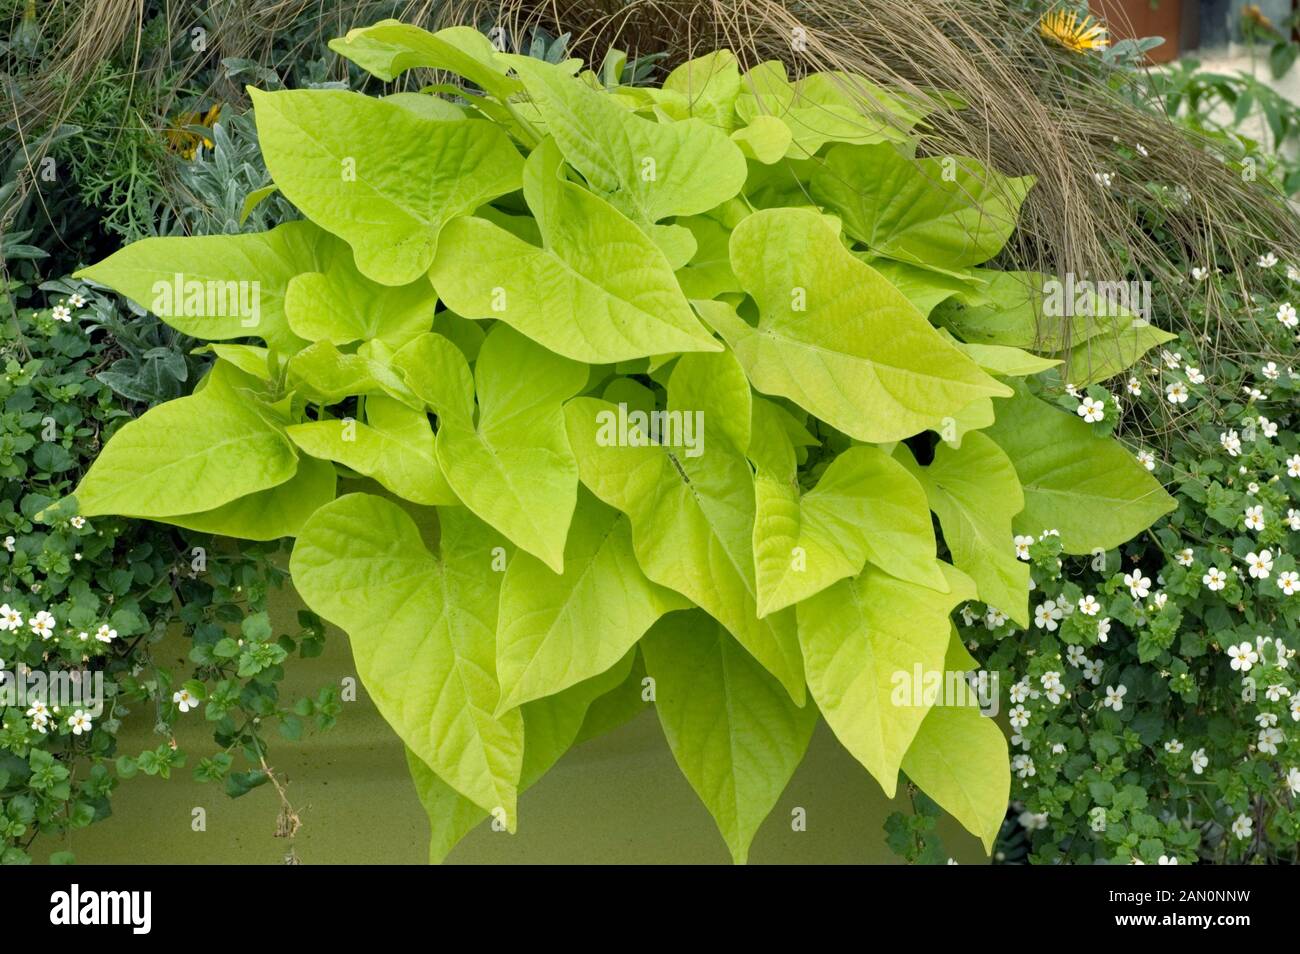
(557, 630)
(423, 633)
(336, 303)
(863, 638)
(513, 467)
(692, 516)
(193, 454)
(200, 284)
(732, 729)
(1087, 486)
(379, 176)
(551, 726)
(648, 170)
(279, 511)
(395, 446)
(959, 759)
(837, 338)
(865, 507)
(709, 84)
(976, 493)
(599, 289)
(324, 375)
(948, 211)
(389, 48)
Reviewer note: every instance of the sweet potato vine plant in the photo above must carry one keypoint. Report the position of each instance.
(701, 361)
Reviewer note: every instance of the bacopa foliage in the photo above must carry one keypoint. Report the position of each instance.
(673, 340)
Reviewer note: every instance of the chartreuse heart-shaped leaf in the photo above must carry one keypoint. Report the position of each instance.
(863, 640)
(557, 630)
(337, 304)
(690, 498)
(947, 210)
(599, 289)
(389, 48)
(959, 759)
(825, 107)
(976, 493)
(715, 702)
(218, 287)
(835, 337)
(513, 466)
(395, 447)
(551, 726)
(648, 170)
(709, 84)
(1087, 486)
(279, 511)
(325, 375)
(379, 176)
(193, 454)
(422, 631)
(865, 507)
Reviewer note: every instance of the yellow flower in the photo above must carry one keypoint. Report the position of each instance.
(1073, 33)
(185, 143)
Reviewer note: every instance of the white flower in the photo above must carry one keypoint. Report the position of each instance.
(39, 711)
(1276, 692)
(1243, 656)
(1046, 615)
(1020, 691)
(1266, 427)
(1185, 557)
(1138, 585)
(1286, 315)
(1115, 697)
(1141, 149)
(79, 722)
(1167, 860)
(1242, 827)
(1255, 517)
(10, 618)
(967, 616)
(1092, 671)
(61, 313)
(42, 624)
(1058, 748)
(1230, 442)
(1293, 519)
(1199, 761)
(1199, 274)
(1032, 821)
(1194, 375)
(1023, 543)
(1293, 465)
(184, 700)
(1089, 606)
(1019, 717)
(1267, 260)
(1023, 766)
(1269, 739)
(1173, 746)
(77, 522)
(1270, 371)
(9, 544)
(1133, 387)
(1252, 488)
(105, 634)
(1075, 656)
(1052, 686)
(1288, 582)
(1261, 564)
(1295, 709)
(1293, 273)
(1103, 629)
(76, 300)
(1159, 600)
(994, 618)
(1104, 179)
(1266, 719)
(1215, 578)
(1146, 459)
(1072, 390)
(1293, 780)
(1171, 359)
(1176, 392)
(1092, 410)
